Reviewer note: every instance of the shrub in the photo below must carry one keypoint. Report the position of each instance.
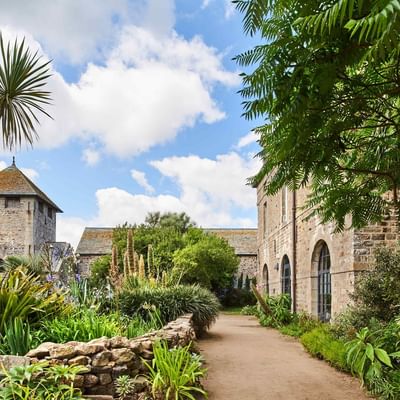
(175, 373)
(301, 324)
(280, 307)
(250, 310)
(386, 387)
(23, 296)
(378, 291)
(236, 297)
(172, 303)
(41, 381)
(99, 271)
(322, 344)
(17, 339)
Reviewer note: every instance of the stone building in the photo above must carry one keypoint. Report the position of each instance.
(27, 215)
(244, 241)
(97, 242)
(302, 257)
(94, 243)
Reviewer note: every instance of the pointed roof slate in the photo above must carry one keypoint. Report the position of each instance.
(13, 182)
(95, 241)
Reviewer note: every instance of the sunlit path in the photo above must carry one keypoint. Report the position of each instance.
(249, 362)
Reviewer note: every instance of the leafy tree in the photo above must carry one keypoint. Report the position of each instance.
(22, 78)
(99, 269)
(180, 221)
(327, 82)
(208, 260)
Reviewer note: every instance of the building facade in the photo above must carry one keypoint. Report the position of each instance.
(97, 242)
(27, 215)
(304, 258)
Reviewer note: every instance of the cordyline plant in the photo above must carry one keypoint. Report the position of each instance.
(22, 79)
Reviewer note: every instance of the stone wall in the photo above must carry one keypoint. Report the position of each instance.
(106, 359)
(84, 262)
(23, 228)
(16, 227)
(350, 251)
(248, 266)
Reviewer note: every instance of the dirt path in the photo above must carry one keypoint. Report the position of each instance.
(248, 362)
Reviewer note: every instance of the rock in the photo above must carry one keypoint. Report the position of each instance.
(90, 380)
(103, 369)
(79, 381)
(103, 341)
(87, 349)
(119, 371)
(140, 383)
(147, 345)
(147, 355)
(42, 351)
(136, 346)
(80, 360)
(8, 362)
(119, 342)
(122, 356)
(101, 359)
(62, 351)
(105, 379)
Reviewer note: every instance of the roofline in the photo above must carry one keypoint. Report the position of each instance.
(229, 229)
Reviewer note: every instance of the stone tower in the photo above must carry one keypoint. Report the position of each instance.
(27, 215)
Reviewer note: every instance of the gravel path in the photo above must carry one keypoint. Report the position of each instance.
(248, 362)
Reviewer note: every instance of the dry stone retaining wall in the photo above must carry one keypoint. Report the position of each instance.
(107, 359)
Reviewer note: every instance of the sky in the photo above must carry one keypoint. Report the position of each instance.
(146, 114)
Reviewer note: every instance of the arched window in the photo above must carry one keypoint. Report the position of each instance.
(266, 279)
(286, 276)
(324, 284)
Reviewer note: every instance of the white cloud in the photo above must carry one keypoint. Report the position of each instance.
(244, 141)
(70, 229)
(140, 178)
(148, 89)
(75, 29)
(229, 9)
(205, 3)
(91, 157)
(212, 192)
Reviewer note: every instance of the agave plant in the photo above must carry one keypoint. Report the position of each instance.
(22, 77)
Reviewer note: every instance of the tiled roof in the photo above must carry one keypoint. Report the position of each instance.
(98, 241)
(14, 183)
(95, 241)
(244, 241)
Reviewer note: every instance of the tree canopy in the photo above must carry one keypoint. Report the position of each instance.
(326, 80)
(22, 95)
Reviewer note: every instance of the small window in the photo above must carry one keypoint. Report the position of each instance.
(12, 202)
(50, 212)
(286, 276)
(40, 207)
(284, 203)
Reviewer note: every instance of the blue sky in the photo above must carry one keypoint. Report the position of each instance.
(146, 111)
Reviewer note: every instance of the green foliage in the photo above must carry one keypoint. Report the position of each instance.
(178, 221)
(235, 297)
(250, 310)
(366, 356)
(139, 326)
(22, 78)
(172, 302)
(23, 296)
(206, 259)
(280, 307)
(82, 325)
(322, 344)
(332, 118)
(33, 264)
(17, 339)
(301, 324)
(175, 374)
(99, 271)
(378, 290)
(386, 387)
(124, 387)
(41, 381)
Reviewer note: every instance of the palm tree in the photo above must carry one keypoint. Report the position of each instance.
(22, 78)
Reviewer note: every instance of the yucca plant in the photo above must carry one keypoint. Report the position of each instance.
(174, 374)
(22, 78)
(23, 296)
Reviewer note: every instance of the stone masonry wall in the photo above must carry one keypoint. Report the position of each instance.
(16, 227)
(106, 359)
(44, 229)
(248, 266)
(350, 251)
